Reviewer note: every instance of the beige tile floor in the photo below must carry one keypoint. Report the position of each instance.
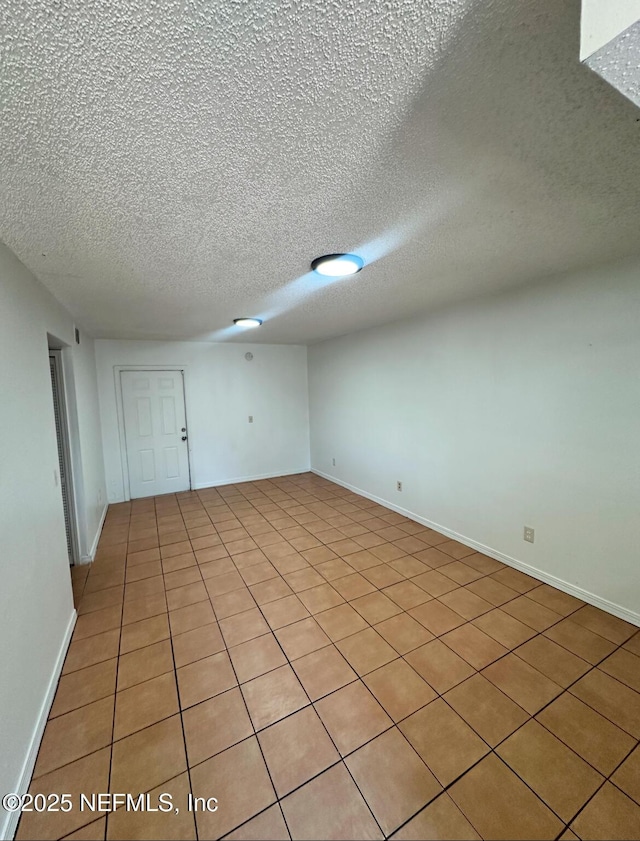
(326, 668)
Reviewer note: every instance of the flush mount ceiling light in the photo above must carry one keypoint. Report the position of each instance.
(337, 265)
(247, 322)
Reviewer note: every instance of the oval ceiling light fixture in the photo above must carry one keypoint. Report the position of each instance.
(247, 322)
(337, 265)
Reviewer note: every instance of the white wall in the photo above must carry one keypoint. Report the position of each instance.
(36, 606)
(222, 389)
(518, 409)
(90, 440)
(603, 20)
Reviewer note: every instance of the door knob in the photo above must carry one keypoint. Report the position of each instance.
(184, 437)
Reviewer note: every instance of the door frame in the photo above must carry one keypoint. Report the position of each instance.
(122, 435)
(67, 450)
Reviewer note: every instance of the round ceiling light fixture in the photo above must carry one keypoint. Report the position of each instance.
(337, 265)
(247, 322)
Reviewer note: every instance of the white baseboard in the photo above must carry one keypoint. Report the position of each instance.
(10, 823)
(88, 559)
(239, 479)
(546, 577)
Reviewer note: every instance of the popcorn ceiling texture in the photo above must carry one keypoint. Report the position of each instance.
(168, 166)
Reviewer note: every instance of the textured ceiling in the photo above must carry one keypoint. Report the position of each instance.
(167, 166)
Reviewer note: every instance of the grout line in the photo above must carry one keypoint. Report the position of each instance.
(179, 701)
(115, 699)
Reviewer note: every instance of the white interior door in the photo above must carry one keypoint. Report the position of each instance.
(155, 432)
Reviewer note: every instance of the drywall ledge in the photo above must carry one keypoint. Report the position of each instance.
(618, 63)
(545, 577)
(7, 831)
(602, 21)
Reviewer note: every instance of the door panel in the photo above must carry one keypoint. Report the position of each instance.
(144, 427)
(147, 466)
(154, 419)
(168, 407)
(171, 462)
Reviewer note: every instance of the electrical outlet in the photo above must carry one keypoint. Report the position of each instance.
(99, 496)
(333, 461)
(529, 534)
(399, 486)
(250, 418)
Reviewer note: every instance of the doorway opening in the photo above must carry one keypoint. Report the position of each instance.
(64, 453)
